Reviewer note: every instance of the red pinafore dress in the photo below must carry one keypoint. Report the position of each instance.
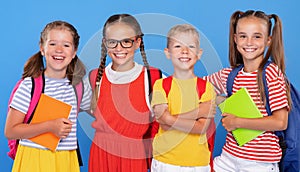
(122, 118)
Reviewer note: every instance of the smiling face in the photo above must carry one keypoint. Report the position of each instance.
(183, 49)
(122, 58)
(59, 50)
(252, 38)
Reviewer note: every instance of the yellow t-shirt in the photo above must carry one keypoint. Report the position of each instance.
(174, 146)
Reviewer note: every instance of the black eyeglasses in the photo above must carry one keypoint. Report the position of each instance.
(125, 43)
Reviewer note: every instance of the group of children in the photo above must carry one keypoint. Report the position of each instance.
(178, 113)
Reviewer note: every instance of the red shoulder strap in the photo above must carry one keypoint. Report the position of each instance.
(153, 75)
(201, 86)
(211, 130)
(166, 84)
(211, 134)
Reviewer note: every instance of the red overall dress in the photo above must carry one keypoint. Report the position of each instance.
(122, 118)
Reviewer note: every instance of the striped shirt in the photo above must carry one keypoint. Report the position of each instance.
(264, 148)
(59, 89)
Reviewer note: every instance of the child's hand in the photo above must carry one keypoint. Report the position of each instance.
(165, 127)
(212, 110)
(228, 121)
(159, 110)
(61, 127)
(207, 109)
(220, 99)
(166, 118)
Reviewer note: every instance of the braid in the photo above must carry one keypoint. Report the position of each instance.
(143, 53)
(99, 76)
(102, 62)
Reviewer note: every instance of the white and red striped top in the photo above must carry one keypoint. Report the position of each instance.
(264, 148)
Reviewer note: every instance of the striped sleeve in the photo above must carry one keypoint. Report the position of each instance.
(276, 87)
(22, 97)
(219, 79)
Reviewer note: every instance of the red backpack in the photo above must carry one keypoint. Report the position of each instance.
(37, 89)
(211, 131)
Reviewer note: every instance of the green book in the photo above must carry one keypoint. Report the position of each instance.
(241, 105)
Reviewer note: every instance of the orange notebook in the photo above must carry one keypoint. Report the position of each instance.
(49, 108)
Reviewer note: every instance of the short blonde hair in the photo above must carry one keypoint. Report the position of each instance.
(183, 28)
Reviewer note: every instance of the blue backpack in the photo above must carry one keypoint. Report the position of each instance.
(289, 138)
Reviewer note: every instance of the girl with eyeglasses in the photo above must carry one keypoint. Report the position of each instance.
(120, 101)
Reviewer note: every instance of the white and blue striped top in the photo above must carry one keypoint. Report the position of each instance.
(59, 89)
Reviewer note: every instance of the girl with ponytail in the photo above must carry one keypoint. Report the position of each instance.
(255, 38)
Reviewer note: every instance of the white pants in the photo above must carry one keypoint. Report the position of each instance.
(228, 163)
(158, 166)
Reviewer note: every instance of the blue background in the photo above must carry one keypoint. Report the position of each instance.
(22, 22)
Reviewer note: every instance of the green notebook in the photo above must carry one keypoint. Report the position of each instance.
(241, 105)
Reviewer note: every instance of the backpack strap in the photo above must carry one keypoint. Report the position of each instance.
(280, 134)
(79, 94)
(230, 79)
(266, 88)
(38, 85)
(201, 86)
(78, 89)
(153, 74)
(211, 130)
(166, 84)
(92, 78)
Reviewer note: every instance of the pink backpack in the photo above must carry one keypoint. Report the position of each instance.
(36, 91)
